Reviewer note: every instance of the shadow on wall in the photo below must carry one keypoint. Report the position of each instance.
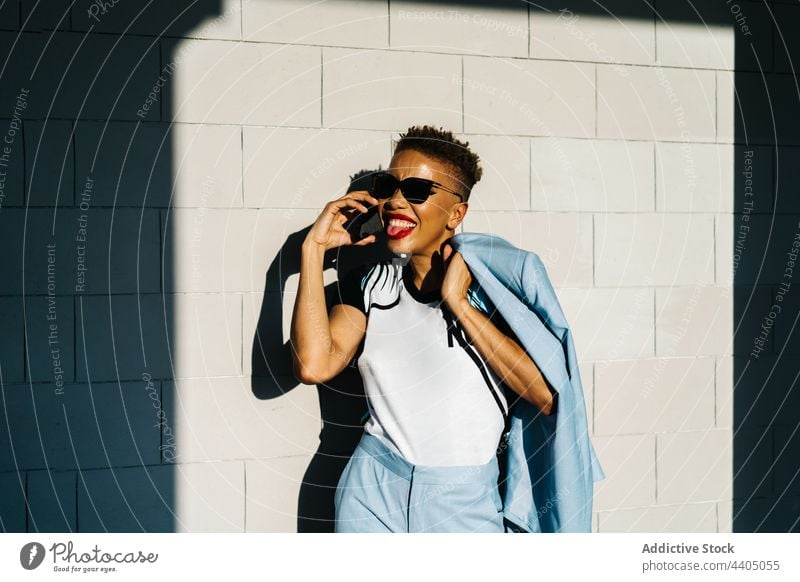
(764, 234)
(342, 401)
(85, 304)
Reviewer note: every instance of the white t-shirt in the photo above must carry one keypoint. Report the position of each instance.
(432, 398)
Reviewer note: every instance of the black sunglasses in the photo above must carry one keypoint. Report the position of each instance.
(415, 190)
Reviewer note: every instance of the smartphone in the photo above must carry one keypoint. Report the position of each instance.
(364, 224)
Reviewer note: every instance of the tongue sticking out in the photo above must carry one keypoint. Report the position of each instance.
(392, 230)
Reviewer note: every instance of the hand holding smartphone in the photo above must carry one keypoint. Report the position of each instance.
(329, 231)
(364, 224)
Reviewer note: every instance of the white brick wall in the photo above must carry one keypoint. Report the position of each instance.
(389, 89)
(528, 97)
(607, 147)
(497, 28)
(244, 83)
(656, 103)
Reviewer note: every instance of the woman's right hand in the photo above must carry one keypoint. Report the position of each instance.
(328, 230)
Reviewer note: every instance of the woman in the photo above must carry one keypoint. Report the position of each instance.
(433, 366)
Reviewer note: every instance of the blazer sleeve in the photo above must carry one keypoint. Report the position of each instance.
(541, 297)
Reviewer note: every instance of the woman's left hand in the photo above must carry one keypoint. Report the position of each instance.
(457, 278)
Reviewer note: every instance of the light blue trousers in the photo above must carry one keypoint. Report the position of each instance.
(379, 491)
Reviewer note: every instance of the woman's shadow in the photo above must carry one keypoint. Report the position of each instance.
(342, 402)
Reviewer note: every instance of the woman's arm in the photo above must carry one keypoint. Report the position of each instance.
(505, 356)
(323, 345)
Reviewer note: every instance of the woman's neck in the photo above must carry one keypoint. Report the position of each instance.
(428, 272)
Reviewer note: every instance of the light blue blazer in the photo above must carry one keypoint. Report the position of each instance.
(551, 465)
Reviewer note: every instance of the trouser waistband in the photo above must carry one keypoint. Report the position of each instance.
(376, 448)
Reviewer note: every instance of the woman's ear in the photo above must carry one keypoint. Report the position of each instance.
(457, 215)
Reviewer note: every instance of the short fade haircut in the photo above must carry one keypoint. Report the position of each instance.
(440, 144)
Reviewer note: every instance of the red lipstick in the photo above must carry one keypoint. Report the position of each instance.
(398, 231)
